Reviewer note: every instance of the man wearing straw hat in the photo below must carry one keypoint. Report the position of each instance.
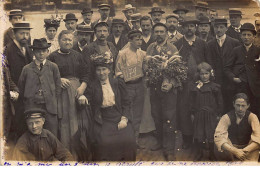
(128, 11)
(104, 10)
(14, 17)
(84, 36)
(201, 9)
(156, 14)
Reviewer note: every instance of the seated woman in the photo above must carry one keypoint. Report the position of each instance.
(114, 138)
(237, 135)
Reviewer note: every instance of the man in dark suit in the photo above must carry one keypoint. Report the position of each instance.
(181, 11)
(146, 26)
(14, 17)
(104, 10)
(87, 14)
(172, 23)
(233, 31)
(243, 67)
(84, 36)
(219, 50)
(204, 29)
(128, 11)
(116, 37)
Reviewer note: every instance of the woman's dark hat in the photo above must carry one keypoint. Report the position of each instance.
(86, 10)
(35, 113)
(70, 16)
(40, 44)
(22, 25)
(249, 27)
(51, 23)
(156, 9)
(181, 8)
(15, 12)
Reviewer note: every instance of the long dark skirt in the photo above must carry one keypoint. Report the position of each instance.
(114, 144)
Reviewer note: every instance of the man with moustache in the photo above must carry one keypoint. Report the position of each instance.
(163, 97)
(172, 25)
(128, 11)
(181, 11)
(235, 16)
(146, 26)
(201, 9)
(219, 49)
(204, 29)
(84, 36)
(71, 22)
(156, 14)
(257, 26)
(18, 55)
(193, 50)
(104, 10)
(135, 20)
(133, 56)
(116, 37)
(87, 14)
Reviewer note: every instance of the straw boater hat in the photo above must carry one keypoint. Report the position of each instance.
(22, 25)
(86, 10)
(181, 8)
(34, 113)
(104, 6)
(156, 9)
(15, 12)
(201, 4)
(84, 29)
(40, 44)
(190, 19)
(235, 11)
(135, 17)
(249, 27)
(70, 16)
(128, 7)
(172, 15)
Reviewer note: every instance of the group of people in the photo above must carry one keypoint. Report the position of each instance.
(83, 94)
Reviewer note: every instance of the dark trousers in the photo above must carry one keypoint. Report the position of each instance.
(136, 94)
(163, 109)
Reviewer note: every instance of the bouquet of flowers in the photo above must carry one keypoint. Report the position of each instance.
(105, 58)
(163, 66)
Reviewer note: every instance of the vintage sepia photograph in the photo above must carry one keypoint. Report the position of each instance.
(130, 83)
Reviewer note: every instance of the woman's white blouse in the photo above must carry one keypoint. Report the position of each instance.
(108, 94)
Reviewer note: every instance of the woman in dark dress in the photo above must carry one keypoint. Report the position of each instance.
(114, 138)
(72, 109)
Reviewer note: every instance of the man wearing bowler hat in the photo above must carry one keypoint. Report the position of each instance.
(204, 29)
(15, 16)
(40, 84)
(172, 24)
(181, 11)
(116, 37)
(84, 36)
(128, 11)
(193, 50)
(38, 144)
(87, 14)
(243, 67)
(201, 9)
(71, 22)
(235, 16)
(104, 10)
(156, 14)
(219, 49)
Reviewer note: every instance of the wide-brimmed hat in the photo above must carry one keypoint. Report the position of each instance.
(172, 15)
(70, 16)
(51, 23)
(16, 12)
(180, 8)
(249, 27)
(104, 6)
(128, 7)
(22, 25)
(156, 9)
(189, 19)
(118, 21)
(204, 20)
(220, 21)
(84, 29)
(135, 17)
(201, 4)
(235, 11)
(35, 113)
(40, 44)
(86, 10)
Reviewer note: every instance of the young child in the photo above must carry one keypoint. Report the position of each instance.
(206, 106)
(40, 84)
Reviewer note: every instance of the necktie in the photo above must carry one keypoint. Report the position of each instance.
(219, 42)
(41, 66)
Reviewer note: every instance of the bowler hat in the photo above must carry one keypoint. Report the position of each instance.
(156, 9)
(172, 15)
(181, 8)
(35, 113)
(201, 4)
(84, 29)
(204, 20)
(104, 6)
(51, 23)
(70, 16)
(128, 7)
(22, 25)
(189, 19)
(16, 12)
(86, 10)
(40, 44)
(249, 27)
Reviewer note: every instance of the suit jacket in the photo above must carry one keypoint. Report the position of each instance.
(244, 65)
(218, 57)
(146, 45)
(234, 34)
(122, 101)
(94, 49)
(127, 28)
(48, 80)
(17, 60)
(8, 36)
(121, 42)
(91, 24)
(175, 38)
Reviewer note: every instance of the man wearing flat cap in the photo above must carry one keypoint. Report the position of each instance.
(243, 67)
(156, 14)
(104, 10)
(38, 144)
(219, 49)
(204, 29)
(201, 9)
(128, 11)
(116, 37)
(235, 16)
(51, 28)
(257, 26)
(193, 50)
(172, 25)
(130, 59)
(84, 36)
(87, 14)
(15, 16)
(18, 55)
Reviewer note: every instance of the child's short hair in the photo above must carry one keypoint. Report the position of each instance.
(207, 67)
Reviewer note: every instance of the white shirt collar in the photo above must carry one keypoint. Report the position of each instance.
(190, 41)
(147, 38)
(174, 33)
(59, 51)
(103, 20)
(38, 63)
(105, 82)
(86, 23)
(223, 37)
